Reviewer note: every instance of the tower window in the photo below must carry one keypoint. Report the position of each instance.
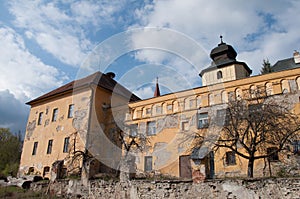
(219, 75)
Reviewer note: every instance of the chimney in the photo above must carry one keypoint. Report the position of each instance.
(296, 55)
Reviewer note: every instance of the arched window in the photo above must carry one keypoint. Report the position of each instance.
(269, 89)
(198, 101)
(219, 75)
(46, 170)
(285, 87)
(253, 91)
(224, 97)
(238, 94)
(175, 106)
(298, 82)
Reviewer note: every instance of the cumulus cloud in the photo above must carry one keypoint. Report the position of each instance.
(62, 28)
(256, 29)
(22, 73)
(23, 76)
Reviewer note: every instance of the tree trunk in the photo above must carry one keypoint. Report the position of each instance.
(250, 167)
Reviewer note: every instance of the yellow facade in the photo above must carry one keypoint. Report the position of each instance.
(103, 108)
(178, 115)
(86, 129)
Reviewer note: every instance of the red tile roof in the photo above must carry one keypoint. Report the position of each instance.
(98, 78)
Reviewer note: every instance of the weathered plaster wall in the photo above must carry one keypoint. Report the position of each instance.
(168, 144)
(56, 130)
(230, 188)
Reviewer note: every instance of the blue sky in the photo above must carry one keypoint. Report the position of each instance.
(45, 44)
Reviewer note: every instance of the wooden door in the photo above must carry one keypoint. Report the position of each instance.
(185, 168)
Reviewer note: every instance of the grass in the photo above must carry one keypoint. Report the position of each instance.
(12, 192)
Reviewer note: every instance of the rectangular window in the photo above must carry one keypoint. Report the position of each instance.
(185, 126)
(148, 163)
(296, 147)
(202, 120)
(222, 117)
(66, 145)
(49, 148)
(230, 158)
(151, 128)
(158, 110)
(55, 113)
(170, 107)
(148, 111)
(71, 111)
(40, 118)
(35, 145)
(192, 103)
(273, 154)
(133, 130)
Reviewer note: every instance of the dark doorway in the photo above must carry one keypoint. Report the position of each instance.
(210, 165)
(148, 163)
(185, 168)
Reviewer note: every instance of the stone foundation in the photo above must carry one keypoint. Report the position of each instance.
(227, 188)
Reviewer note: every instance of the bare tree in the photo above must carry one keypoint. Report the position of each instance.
(131, 141)
(255, 125)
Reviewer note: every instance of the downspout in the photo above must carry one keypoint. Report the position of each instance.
(90, 114)
(86, 179)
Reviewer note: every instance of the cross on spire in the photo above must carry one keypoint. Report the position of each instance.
(221, 37)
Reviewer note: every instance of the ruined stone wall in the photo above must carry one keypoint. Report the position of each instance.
(229, 188)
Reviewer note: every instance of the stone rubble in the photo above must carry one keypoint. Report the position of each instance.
(139, 189)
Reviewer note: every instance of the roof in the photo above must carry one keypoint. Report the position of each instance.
(284, 64)
(102, 80)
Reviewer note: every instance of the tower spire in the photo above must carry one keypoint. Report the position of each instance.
(157, 91)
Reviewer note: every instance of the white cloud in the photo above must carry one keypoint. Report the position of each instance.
(23, 74)
(61, 28)
(256, 29)
(144, 92)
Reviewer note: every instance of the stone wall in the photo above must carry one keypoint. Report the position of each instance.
(227, 188)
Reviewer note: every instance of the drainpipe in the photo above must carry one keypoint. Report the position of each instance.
(85, 179)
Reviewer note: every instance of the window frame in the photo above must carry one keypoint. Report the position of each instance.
(66, 145)
(158, 109)
(40, 119)
(296, 147)
(49, 147)
(205, 120)
(34, 150)
(230, 158)
(54, 115)
(274, 157)
(151, 128)
(71, 111)
(133, 130)
(146, 161)
(219, 74)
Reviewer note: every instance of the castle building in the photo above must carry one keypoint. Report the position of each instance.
(85, 115)
(69, 121)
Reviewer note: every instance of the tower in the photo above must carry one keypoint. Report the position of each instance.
(224, 66)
